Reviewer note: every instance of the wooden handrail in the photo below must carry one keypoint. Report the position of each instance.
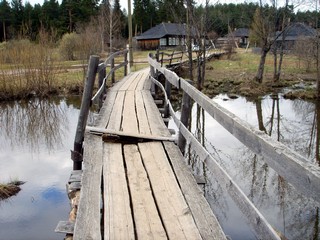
(94, 68)
(296, 169)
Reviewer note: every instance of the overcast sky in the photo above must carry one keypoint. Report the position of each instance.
(124, 3)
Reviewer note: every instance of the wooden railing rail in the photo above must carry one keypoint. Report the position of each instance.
(169, 58)
(304, 176)
(94, 68)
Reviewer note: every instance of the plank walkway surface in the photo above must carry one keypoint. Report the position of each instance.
(138, 188)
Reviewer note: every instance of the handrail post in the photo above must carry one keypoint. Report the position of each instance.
(153, 74)
(125, 68)
(111, 67)
(76, 154)
(168, 92)
(186, 107)
(102, 75)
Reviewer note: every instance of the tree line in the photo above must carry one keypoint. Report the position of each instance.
(18, 20)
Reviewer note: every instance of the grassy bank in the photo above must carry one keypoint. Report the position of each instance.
(235, 75)
(28, 69)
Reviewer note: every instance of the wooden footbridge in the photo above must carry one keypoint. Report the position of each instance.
(134, 183)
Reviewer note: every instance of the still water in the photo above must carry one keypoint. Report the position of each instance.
(36, 138)
(35, 141)
(295, 124)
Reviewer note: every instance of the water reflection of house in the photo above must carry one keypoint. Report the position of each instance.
(164, 35)
(237, 38)
(293, 33)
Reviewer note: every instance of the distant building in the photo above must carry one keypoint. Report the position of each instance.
(237, 38)
(294, 32)
(164, 35)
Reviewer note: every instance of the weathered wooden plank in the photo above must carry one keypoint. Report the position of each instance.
(144, 77)
(206, 221)
(129, 116)
(65, 227)
(157, 125)
(116, 113)
(134, 84)
(147, 220)
(87, 224)
(174, 211)
(144, 127)
(118, 222)
(304, 176)
(75, 176)
(101, 131)
(105, 111)
(126, 85)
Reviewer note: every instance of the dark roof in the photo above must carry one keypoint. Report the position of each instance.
(164, 29)
(296, 30)
(240, 32)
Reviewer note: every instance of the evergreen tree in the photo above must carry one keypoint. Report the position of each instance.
(17, 16)
(5, 19)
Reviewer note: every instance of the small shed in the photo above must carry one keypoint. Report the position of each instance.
(164, 35)
(238, 38)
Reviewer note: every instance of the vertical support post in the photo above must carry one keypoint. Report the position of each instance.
(168, 92)
(128, 58)
(113, 74)
(185, 118)
(130, 34)
(152, 73)
(102, 75)
(76, 154)
(125, 68)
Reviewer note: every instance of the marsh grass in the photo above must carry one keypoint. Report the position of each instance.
(10, 189)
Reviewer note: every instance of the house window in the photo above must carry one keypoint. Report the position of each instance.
(163, 41)
(177, 41)
(171, 41)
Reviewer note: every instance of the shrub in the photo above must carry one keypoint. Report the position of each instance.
(68, 46)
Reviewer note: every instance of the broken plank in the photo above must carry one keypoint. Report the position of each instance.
(101, 131)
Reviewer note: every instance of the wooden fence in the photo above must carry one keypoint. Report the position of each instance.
(301, 174)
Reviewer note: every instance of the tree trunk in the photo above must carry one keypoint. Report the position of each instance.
(4, 31)
(259, 76)
(318, 67)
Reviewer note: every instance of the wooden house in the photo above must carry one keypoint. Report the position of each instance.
(293, 33)
(164, 35)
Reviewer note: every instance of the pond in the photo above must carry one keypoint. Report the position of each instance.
(35, 141)
(36, 137)
(295, 124)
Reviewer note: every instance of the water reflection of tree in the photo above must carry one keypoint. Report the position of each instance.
(288, 199)
(264, 186)
(34, 122)
(310, 129)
